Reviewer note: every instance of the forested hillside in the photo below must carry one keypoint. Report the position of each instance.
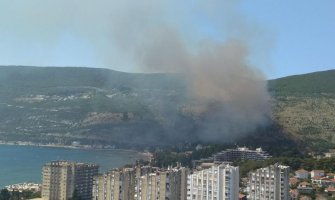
(101, 106)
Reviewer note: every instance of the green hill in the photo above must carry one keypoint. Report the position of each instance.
(101, 106)
(316, 83)
(92, 105)
(304, 106)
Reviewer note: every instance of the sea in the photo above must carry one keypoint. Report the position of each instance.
(24, 163)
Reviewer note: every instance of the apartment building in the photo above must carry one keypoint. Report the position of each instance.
(218, 182)
(141, 183)
(240, 153)
(166, 184)
(269, 183)
(61, 179)
(114, 185)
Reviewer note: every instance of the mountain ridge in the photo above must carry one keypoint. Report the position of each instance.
(96, 105)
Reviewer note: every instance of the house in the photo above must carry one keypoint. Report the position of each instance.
(293, 181)
(302, 174)
(319, 173)
(330, 191)
(294, 194)
(305, 188)
(330, 175)
(322, 181)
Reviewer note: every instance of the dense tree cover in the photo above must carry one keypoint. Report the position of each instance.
(285, 156)
(305, 85)
(283, 148)
(295, 163)
(16, 195)
(4, 194)
(167, 158)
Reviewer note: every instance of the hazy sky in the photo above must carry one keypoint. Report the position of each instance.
(284, 37)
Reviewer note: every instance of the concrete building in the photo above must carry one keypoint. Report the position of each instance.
(317, 173)
(167, 184)
(61, 179)
(217, 182)
(141, 183)
(269, 183)
(302, 174)
(114, 185)
(240, 153)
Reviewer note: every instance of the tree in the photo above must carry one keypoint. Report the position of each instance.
(4, 194)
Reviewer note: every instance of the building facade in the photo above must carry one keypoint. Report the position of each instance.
(61, 179)
(269, 183)
(219, 182)
(167, 184)
(141, 183)
(302, 174)
(114, 185)
(241, 153)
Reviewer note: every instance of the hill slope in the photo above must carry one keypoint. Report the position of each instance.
(91, 105)
(304, 107)
(100, 106)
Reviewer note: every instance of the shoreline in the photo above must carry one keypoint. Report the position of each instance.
(148, 156)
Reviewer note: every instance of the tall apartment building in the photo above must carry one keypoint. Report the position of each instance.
(115, 185)
(218, 182)
(241, 153)
(60, 179)
(141, 183)
(269, 183)
(167, 184)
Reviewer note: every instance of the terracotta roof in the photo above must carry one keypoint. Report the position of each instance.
(294, 192)
(317, 177)
(304, 184)
(316, 170)
(293, 180)
(330, 189)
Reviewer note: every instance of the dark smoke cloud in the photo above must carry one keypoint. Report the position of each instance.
(209, 42)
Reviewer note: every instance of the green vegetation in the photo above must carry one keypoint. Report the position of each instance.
(16, 195)
(304, 106)
(4, 194)
(100, 106)
(93, 106)
(295, 163)
(317, 83)
(167, 158)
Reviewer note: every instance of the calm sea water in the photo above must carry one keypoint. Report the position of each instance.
(24, 163)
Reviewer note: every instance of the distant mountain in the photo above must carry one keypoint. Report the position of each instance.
(91, 105)
(101, 106)
(304, 106)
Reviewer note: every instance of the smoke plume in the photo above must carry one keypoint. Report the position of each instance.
(209, 42)
(231, 98)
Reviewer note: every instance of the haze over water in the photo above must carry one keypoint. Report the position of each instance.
(24, 163)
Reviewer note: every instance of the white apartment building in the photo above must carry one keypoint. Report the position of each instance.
(269, 183)
(141, 183)
(219, 182)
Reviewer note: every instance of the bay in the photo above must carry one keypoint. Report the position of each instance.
(24, 163)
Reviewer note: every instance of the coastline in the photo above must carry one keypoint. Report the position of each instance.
(147, 155)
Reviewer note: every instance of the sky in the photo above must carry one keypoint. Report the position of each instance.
(283, 37)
